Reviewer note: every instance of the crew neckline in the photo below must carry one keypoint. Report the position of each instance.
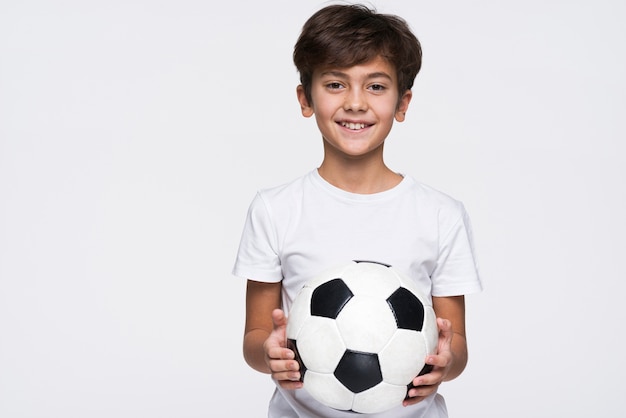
(359, 197)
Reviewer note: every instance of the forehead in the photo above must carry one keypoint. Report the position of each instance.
(374, 68)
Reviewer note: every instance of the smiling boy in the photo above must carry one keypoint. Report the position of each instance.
(354, 109)
(357, 69)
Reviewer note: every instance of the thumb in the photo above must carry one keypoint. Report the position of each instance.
(445, 331)
(279, 319)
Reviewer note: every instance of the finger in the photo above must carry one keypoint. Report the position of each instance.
(417, 394)
(285, 370)
(445, 328)
(421, 392)
(438, 361)
(279, 319)
(428, 379)
(280, 353)
(413, 400)
(444, 345)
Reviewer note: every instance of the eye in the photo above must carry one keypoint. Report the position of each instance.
(334, 86)
(377, 87)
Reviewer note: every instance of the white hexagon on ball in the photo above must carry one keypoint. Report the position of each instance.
(326, 387)
(380, 398)
(366, 324)
(403, 358)
(320, 344)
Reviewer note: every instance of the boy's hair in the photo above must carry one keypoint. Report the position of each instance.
(346, 35)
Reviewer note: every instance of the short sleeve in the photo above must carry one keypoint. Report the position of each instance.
(456, 271)
(257, 257)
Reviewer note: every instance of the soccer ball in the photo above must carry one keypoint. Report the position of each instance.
(361, 333)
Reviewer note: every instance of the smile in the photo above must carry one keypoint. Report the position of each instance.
(353, 126)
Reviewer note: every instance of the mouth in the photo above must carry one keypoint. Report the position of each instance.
(354, 126)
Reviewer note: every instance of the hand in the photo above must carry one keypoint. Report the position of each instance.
(427, 384)
(279, 359)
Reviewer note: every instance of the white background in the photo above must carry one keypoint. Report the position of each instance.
(133, 135)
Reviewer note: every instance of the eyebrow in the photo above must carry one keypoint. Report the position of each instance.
(340, 74)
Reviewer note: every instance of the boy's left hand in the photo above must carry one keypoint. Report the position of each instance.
(428, 383)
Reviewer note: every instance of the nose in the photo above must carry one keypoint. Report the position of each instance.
(355, 101)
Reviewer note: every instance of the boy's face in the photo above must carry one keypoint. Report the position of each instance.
(355, 107)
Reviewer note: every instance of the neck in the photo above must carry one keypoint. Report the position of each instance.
(360, 178)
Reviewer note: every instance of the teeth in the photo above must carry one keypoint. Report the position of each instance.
(353, 126)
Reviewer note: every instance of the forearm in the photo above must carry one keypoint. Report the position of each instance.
(261, 299)
(253, 351)
(452, 308)
(459, 356)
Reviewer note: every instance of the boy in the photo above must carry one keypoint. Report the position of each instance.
(356, 68)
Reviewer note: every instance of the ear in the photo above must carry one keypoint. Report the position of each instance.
(305, 106)
(403, 105)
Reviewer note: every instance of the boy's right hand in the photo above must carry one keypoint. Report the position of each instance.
(281, 360)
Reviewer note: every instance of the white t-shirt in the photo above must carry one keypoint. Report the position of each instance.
(297, 230)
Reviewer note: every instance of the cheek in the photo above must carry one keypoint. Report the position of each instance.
(390, 115)
(324, 123)
(325, 113)
(388, 108)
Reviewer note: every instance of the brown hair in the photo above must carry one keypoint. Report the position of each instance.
(348, 35)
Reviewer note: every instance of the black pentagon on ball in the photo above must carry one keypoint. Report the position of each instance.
(407, 309)
(358, 371)
(328, 299)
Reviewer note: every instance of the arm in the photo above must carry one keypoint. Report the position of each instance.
(264, 336)
(451, 357)
(453, 309)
